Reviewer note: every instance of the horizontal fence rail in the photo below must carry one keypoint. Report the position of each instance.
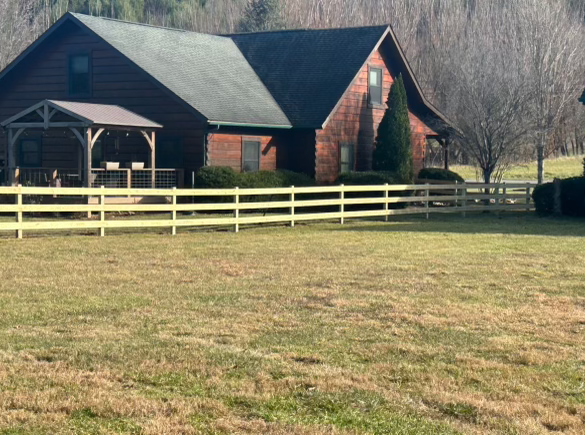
(101, 208)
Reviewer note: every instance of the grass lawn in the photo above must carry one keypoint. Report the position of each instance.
(447, 326)
(560, 168)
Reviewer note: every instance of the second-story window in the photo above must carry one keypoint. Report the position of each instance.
(375, 86)
(79, 75)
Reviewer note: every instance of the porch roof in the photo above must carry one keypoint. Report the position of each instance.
(87, 114)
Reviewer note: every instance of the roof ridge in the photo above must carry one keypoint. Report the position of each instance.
(137, 23)
(227, 35)
(305, 29)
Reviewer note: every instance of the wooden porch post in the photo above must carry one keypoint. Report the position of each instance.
(151, 139)
(11, 163)
(87, 157)
(9, 157)
(153, 159)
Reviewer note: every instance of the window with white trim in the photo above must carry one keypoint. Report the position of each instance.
(346, 157)
(251, 155)
(375, 86)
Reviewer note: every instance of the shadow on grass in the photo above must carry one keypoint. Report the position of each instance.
(489, 223)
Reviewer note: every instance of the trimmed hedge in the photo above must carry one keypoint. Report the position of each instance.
(218, 177)
(572, 197)
(544, 198)
(439, 174)
(367, 178)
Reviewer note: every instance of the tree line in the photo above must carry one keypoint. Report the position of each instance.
(508, 73)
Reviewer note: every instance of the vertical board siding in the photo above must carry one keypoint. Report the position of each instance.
(356, 121)
(225, 149)
(44, 75)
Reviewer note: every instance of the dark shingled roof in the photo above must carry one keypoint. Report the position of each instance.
(268, 79)
(307, 71)
(208, 72)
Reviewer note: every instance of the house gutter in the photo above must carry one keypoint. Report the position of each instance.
(243, 124)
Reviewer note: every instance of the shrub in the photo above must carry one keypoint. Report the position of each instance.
(544, 198)
(259, 180)
(439, 174)
(290, 178)
(216, 177)
(367, 178)
(572, 197)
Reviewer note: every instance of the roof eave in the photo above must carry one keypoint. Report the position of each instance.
(251, 125)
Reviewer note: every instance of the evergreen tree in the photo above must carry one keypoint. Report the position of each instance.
(393, 152)
(261, 15)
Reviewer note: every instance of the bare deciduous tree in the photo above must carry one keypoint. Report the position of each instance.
(455, 62)
(19, 26)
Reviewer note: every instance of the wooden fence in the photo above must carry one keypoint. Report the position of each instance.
(24, 209)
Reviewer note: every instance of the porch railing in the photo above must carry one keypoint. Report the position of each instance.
(115, 179)
(45, 177)
(137, 178)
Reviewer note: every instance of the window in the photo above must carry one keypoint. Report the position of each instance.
(375, 86)
(79, 75)
(251, 151)
(346, 157)
(30, 153)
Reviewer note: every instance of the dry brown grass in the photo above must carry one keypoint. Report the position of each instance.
(447, 326)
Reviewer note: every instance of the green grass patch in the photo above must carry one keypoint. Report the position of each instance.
(444, 326)
(564, 167)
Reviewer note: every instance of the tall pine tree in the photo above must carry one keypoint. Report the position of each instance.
(393, 152)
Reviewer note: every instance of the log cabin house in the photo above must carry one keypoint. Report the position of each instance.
(96, 101)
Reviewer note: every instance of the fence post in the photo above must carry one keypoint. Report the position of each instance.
(342, 198)
(292, 206)
(174, 212)
(386, 202)
(427, 192)
(464, 199)
(237, 210)
(528, 198)
(102, 212)
(19, 212)
(497, 198)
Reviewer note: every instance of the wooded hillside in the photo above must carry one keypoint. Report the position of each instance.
(507, 72)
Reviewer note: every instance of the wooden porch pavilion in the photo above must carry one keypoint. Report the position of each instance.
(86, 121)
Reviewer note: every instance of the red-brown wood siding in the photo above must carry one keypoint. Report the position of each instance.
(224, 149)
(356, 121)
(44, 75)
